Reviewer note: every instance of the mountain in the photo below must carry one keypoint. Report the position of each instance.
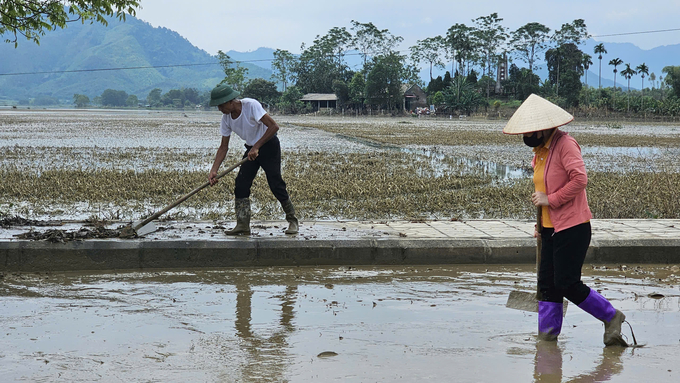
(84, 47)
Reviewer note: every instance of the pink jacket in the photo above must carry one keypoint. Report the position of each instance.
(565, 183)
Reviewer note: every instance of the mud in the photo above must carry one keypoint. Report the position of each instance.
(349, 324)
(20, 221)
(96, 230)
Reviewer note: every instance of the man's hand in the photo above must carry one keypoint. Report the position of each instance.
(212, 177)
(253, 153)
(540, 199)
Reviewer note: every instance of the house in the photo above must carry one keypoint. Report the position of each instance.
(414, 97)
(320, 100)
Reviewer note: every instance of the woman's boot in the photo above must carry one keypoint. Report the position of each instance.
(599, 307)
(242, 207)
(549, 320)
(289, 209)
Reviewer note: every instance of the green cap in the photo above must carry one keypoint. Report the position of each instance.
(222, 94)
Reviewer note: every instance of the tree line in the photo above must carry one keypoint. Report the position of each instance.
(470, 53)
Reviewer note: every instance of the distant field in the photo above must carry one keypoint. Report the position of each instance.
(112, 164)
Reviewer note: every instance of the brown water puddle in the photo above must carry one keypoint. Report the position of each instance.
(438, 323)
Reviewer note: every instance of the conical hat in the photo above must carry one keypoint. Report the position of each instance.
(536, 113)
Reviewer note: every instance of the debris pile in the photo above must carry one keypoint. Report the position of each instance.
(57, 235)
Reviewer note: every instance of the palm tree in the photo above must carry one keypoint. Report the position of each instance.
(643, 70)
(599, 50)
(628, 73)
(652, 78)
(615, 62)
(587, 62)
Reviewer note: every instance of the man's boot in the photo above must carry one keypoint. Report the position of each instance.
(242, 207)
(549, 320)
(599, 307)
(293, 225)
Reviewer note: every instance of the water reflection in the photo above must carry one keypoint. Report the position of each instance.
(548, 365)
(267, 354)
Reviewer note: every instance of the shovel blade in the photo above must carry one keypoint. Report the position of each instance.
(146, 229)
(526, 301)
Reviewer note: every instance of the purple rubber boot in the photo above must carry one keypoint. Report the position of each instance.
(599, 307)
(549, 320)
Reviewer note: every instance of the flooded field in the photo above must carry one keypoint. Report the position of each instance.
(348, 324)
(122, 165)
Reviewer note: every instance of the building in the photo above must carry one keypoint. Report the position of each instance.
(414, 97)
(501, 72)
(321, 100)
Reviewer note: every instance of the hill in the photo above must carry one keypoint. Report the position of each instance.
(80, 48)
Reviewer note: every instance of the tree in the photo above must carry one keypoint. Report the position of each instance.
(290, 100)
(341, 90)
(528, 41)
(234, 76)
(575, 33)
(615, 62)
(112, 97)
(369, 40)
(80, 100)
(174, 98)
(462, 96)
(565, 64)
(587, 62)
(384, 80)
(357, 89)
(460, 46)
(154, 97)
(491, 35)
(599, 50)
(673, 78)
(643, 70)
(430, 51)
(652, 78)
(31, 19)
(262, 90)
(334, 44)
(132, 100)
(570, 33)
(522, 81)
(282, 66)
(628, 73)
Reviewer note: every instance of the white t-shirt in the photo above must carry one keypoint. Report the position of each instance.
(247, 125)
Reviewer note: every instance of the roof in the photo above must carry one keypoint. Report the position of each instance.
(410, 88)
(319, 97)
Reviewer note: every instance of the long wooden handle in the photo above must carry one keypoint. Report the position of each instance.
(539, 228)
(186, 196)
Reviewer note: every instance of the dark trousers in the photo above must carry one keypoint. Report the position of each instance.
(269, 159)
(562, 256)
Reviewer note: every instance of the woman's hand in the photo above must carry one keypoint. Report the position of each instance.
(540, 199)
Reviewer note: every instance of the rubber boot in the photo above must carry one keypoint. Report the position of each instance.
(549, 320)
(242, 207)
(289, 209)
(599, 307)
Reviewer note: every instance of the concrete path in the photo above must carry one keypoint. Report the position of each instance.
(203, 244)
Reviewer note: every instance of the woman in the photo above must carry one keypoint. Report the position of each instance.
(560, 190)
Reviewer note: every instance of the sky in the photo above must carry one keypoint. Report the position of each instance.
(244, 26)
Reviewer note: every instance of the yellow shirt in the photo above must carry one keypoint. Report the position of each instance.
(541, 153)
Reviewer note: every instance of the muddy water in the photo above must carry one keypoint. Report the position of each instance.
(325, 324)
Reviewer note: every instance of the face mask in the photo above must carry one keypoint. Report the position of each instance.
(533, 140)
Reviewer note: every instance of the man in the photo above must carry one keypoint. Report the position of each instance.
(250, 121)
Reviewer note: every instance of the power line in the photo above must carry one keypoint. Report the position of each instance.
(638, 33)
(105, 69)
